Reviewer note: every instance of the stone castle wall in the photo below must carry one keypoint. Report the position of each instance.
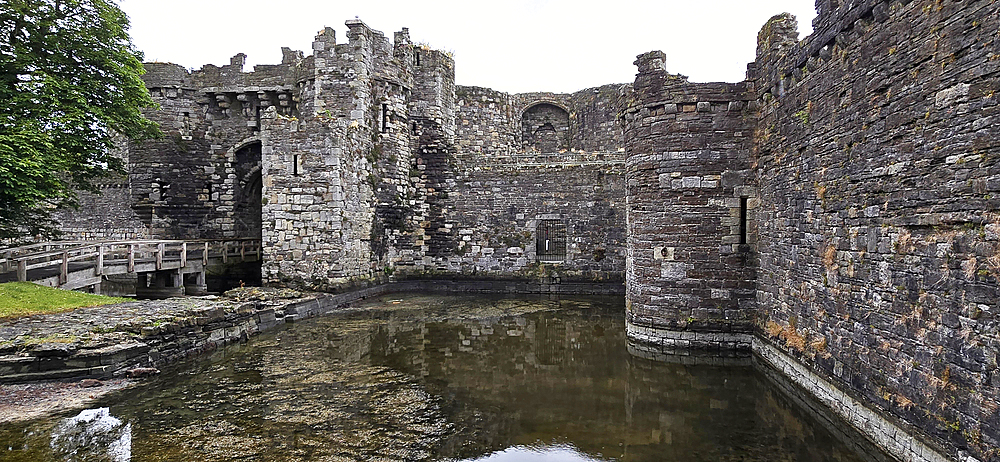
(104, 216)
(364, 158)
(877, 158)
(690, 189)
(202, 178)
(337, 174)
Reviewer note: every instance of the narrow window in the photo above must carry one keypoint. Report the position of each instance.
(416, 57)
(743, 220)
(385, 118)
(295, 164)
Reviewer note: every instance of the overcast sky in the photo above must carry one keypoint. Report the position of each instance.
(512, 45)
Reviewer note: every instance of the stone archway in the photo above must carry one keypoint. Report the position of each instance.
(248, 191)
(545, 128)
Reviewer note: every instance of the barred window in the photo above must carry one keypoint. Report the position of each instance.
(550, 241)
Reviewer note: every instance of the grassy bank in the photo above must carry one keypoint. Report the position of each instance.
(25, 298)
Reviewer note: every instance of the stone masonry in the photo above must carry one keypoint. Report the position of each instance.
(876, 154)
(837, 213)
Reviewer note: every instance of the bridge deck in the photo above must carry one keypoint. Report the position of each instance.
(75, 264)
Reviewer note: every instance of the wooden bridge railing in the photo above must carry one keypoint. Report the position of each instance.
(102, 253)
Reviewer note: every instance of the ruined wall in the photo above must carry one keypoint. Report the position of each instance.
(690, 259)
(481, 192)
(107, 215)
(490, 123)
(596, 127)
(484, 197)
(877, 158)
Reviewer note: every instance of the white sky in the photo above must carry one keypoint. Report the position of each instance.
(509, 45)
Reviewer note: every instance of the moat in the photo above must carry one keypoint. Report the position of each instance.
(421, 377)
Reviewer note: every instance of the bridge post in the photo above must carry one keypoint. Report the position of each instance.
(64, 269)
(22, 270)
(184, 254)
(100, 260)
(194, 283)
(131, 258)
(225, 252)
(159, 256)
(204, 256)
(243, 251)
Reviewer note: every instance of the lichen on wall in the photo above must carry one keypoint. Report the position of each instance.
(876, 155)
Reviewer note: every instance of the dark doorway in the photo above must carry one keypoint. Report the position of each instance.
(247, 211)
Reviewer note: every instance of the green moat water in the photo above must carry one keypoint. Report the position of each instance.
(451, 378)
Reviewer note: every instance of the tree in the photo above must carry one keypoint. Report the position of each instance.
(69, 87)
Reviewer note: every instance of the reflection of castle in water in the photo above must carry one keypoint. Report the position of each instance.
(430, 377)
(566, 375)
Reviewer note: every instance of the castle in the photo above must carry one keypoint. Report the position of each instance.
(838, 212)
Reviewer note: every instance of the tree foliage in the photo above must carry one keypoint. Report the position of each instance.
(70, 86)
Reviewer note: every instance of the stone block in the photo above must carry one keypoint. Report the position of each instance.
(673, 271)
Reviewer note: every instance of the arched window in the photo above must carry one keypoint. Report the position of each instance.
(545, 128)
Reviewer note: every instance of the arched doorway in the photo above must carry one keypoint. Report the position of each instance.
(247, 207)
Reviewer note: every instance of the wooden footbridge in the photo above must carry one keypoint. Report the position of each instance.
(163, 267)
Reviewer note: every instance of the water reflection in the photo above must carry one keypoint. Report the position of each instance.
(540, 453)
(94, 434)
(456, 378)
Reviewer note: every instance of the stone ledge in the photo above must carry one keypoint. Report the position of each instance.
(894, 440)
(687, 347)
(673, 342)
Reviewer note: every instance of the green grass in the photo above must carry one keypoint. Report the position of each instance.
(25, 298)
